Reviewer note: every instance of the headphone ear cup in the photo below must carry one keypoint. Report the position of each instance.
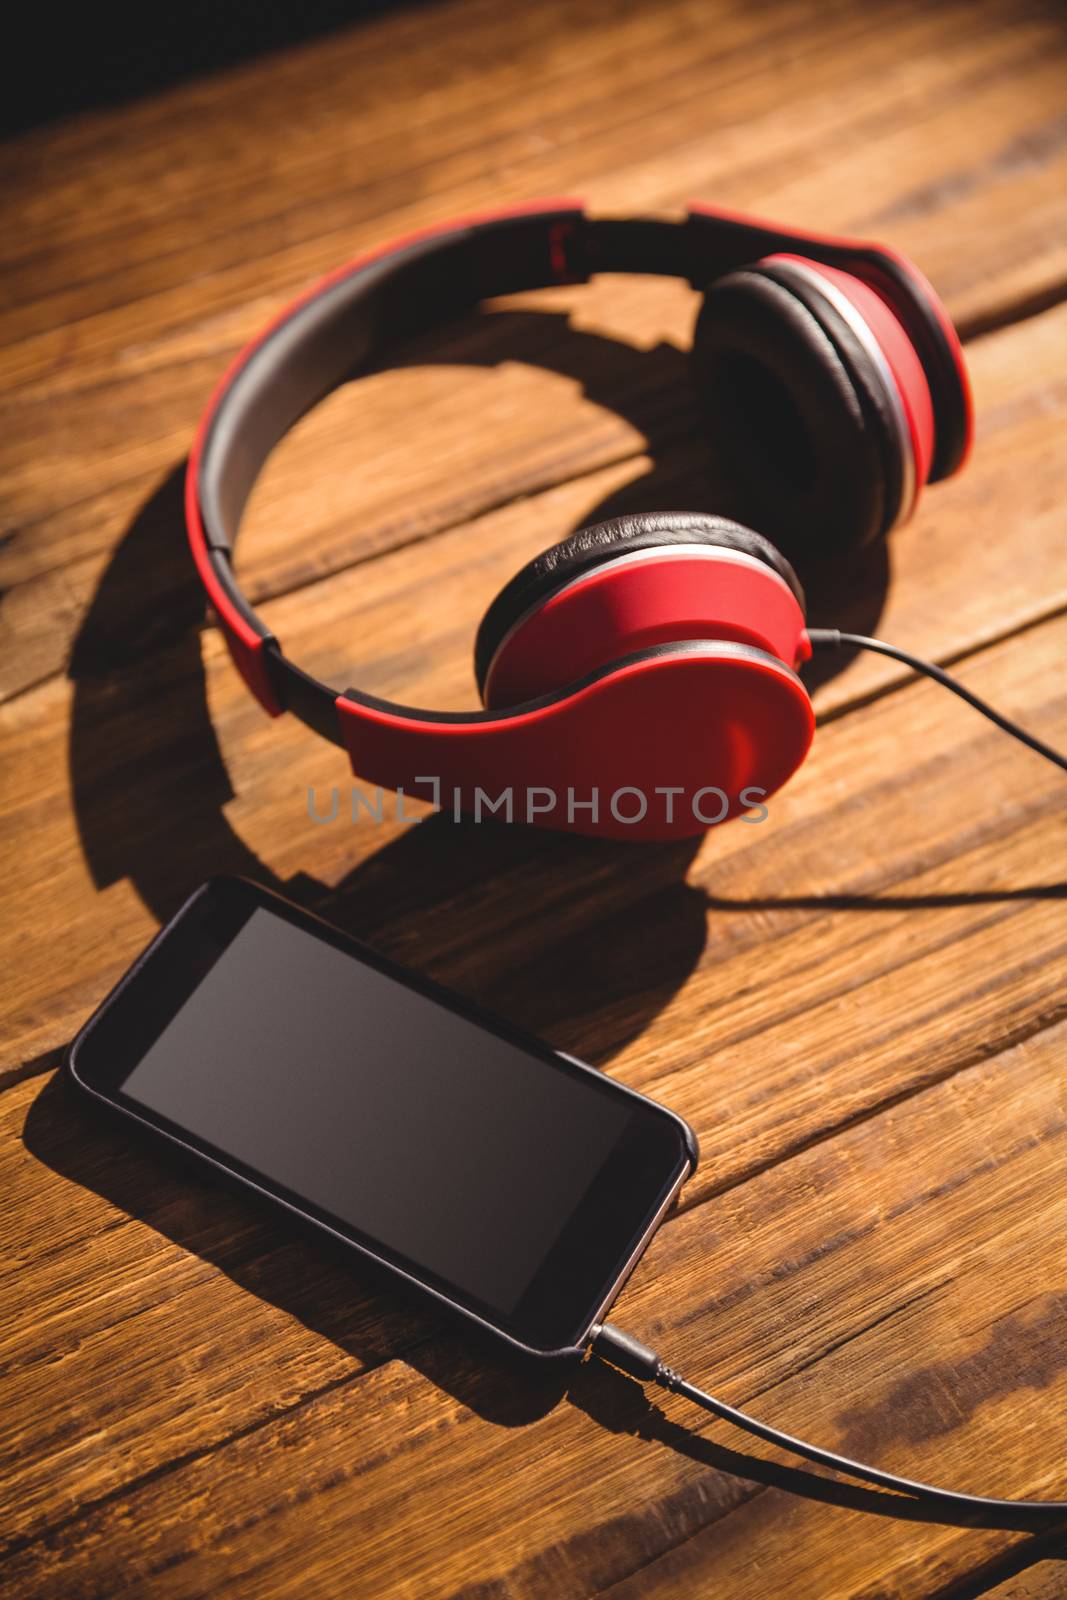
(806, 435)
(634, 582)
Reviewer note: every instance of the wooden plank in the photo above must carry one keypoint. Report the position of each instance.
(914, 1232)
(103, 1362)
(664, 117)
(844, 965)
(1042, 1581)
(147, 356)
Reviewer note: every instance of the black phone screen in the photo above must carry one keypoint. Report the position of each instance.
(509, 1179)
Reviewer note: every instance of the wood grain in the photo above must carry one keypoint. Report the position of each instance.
(1043, 1581)
(350, 629)
(945, 1022)
(859, 1003)
(351, 450)
(821, 1297)
(823, 1039)
(125, 382)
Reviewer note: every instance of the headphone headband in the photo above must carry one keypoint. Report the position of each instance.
(348, 319)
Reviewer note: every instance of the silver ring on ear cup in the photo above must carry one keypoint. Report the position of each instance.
(909, 485)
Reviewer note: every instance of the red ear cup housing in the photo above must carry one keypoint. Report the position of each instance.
(630, 584)
(820, 414)
(651, 654)
(661, 745)
(584, 602)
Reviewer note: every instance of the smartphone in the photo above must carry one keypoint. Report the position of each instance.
(503, 1179)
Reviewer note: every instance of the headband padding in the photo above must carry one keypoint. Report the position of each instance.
(801, 426)
(588, 547)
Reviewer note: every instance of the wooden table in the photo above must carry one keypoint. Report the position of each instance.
(859, 1005)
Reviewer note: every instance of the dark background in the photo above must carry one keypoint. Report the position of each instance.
(62, 61)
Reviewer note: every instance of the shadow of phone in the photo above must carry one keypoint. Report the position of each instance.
(267, 1253)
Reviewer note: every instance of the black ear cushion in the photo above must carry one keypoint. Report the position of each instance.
(588, 547)
(803, 431)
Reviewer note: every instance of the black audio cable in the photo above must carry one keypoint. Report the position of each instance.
(629, 1355)
(834, 638)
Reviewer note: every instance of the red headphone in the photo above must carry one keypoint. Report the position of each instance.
(639, 678)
